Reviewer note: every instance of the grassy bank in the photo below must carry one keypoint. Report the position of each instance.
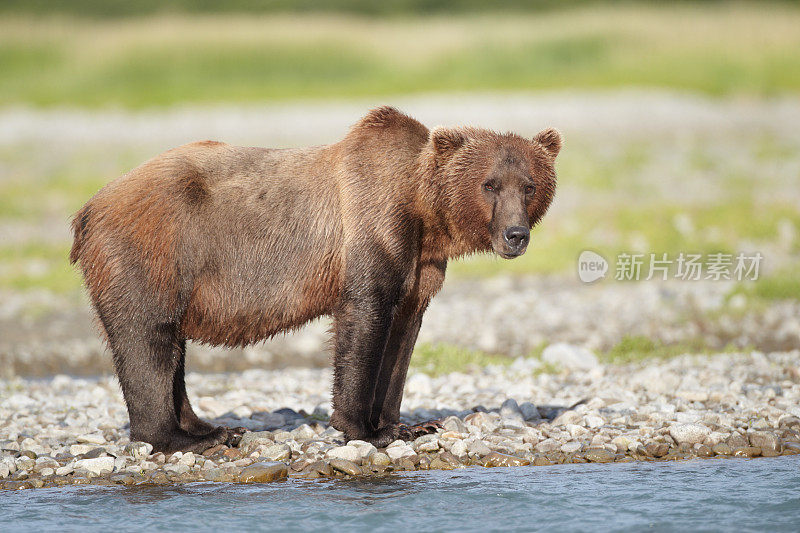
(167, 59)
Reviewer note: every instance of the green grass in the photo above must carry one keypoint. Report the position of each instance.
(634, 349)
(781, 285)
(161, 60)
(126, 8)
(37, 266)
(442, 358)
(439, 359)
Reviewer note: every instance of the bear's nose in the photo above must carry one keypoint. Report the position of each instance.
(517, 236)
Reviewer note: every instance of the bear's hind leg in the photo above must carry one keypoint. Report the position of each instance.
(187, 419)
(146, 357)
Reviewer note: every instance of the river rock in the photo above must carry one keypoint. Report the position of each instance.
(426, 443)
(177, 468)
(263, 472)
(547, 445)
(304, 432)
(459, 448)
(380, 459)
(92, 438)
(737, 440)
(703, 451)
(722, 448)
(80, 449)
(345, 466)
(455, 424)
(139, 450)
(478, 448)
(568, 417)
(791, 448)
(689, 433)
(64, 470)
(495, 459)
(399, 451)
(123, 479)
(365, 449)
(252, 439)
(95, 453)
(770, 444)
(510, 408)
(747, 451)
(218, 475)
(569, 357)
(482, 420)
(348, 453)
(594, 421)
(320, 467)
(657, 449)
(624, 443)
(277, 452)
(97, 466)
(529, 411)
(599, 455)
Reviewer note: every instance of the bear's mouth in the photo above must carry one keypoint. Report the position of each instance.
(512, 255)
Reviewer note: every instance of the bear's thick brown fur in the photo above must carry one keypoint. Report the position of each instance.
(229, 245)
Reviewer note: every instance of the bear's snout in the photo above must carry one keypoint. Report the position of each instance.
(516, 240)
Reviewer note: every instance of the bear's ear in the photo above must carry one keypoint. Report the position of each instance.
(551, 140)
(446, 141)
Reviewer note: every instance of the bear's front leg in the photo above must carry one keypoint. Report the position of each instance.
(399, 347)
(362, 325)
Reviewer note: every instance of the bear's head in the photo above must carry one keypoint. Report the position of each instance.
(493, 188)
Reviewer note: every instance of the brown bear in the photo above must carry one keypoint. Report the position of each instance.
(230, 245)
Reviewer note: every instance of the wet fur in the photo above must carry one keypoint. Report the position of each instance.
(230, 245)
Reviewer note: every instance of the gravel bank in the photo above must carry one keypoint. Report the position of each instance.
(67, 430)
(503, 315)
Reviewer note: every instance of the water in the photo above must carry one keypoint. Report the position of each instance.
(717, 494)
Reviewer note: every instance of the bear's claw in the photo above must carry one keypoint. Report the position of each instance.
(406, 432)
(235, 436)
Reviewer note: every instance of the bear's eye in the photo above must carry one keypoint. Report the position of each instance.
(529, 189)
(488, 186)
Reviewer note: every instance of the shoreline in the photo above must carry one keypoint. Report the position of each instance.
(65, 431)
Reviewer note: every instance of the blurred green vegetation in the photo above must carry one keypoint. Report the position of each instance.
(123, 8)
(164, 59)
(439, 359)
(633, 349)
(442, 358)
(781, 285)
(37, 266)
